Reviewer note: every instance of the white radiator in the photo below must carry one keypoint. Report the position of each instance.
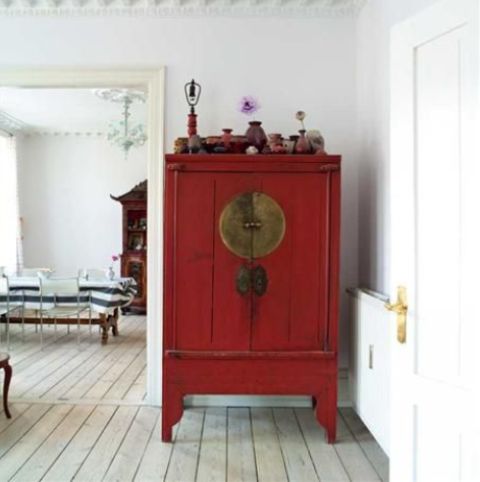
(369, 372)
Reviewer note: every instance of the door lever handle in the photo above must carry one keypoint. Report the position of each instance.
(400, 307)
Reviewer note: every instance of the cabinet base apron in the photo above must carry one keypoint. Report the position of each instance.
(249, 373)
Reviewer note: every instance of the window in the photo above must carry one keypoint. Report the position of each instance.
(9, 215)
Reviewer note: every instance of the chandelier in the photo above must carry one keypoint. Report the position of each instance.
(121, 133)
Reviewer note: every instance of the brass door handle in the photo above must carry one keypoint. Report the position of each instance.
(401, 309)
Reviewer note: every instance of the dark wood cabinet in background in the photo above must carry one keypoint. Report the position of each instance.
(251, 279)
(134, 243)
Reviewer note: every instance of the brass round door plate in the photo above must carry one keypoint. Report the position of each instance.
(252, 225)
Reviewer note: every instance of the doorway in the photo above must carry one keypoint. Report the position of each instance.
(151, 82)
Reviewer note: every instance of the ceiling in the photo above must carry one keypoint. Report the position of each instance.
(61, 111)
(175, 8)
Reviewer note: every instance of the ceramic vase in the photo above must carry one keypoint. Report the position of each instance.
(194, 143)
(110, 273)
(227, 138)
(316, 141)
(256, 135)
(303, 144)
(276, 144)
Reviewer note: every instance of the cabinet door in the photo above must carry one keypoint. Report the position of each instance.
(293, 313)
(135, 267)
(208, 312)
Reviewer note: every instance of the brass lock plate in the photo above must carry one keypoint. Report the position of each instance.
(252, 225)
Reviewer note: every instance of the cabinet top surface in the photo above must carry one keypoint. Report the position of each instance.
(267, 158)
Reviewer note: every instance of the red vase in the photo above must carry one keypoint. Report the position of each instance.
(303, 144)
(256, 135)
(227, 137)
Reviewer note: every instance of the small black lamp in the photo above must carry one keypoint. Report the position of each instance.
(192, 94)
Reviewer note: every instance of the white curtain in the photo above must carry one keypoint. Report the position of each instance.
(11, 256)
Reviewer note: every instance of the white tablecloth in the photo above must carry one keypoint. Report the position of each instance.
(105, 295)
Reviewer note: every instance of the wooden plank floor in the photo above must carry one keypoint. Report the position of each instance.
(78, 414)
(68, 370)
(63, 442)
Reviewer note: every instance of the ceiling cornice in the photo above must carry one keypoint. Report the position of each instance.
(182, 8)
(51, 133)
(10, 124)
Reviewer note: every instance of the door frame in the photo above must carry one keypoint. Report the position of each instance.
(154, 81)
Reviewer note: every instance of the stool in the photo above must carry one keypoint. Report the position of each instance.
(4, 357)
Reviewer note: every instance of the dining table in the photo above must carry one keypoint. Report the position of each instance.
(105, 297)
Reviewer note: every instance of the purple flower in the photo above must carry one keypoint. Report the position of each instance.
(248, 105)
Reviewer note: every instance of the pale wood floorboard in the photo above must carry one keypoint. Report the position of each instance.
(325, 458)
(241, 465)
(78, 413)
(65, 442)
(358, 467)
(370, 447)
(67, 370)
(212, 462)
(268, 453)
(184, 460)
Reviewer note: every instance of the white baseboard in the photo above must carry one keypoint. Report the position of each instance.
(269, 401)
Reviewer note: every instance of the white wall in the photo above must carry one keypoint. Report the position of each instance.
(373, 111)
(69, 220)
(289, 64)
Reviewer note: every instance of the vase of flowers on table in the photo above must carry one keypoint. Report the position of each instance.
(110, 271)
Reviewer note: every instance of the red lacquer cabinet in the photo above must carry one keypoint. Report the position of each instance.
(251, 279)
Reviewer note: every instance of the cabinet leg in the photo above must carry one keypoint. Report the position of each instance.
(326, 412)
(172, 411)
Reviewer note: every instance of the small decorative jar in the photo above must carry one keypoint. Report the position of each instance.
(303, 144)
(194, 143)
(289, 145)
(227, 138)
(276, 144)
(316, 141)
(110, 273)
(256, 135)
(180, 145)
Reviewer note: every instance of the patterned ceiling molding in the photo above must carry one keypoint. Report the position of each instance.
(37, 133)
(183, 8)
(11, 124)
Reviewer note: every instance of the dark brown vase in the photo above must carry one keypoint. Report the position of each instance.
(303, 144)
(256, 135)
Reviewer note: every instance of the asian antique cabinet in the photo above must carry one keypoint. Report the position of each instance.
(251, 279)
(133, 259)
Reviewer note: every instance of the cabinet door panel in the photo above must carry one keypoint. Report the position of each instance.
(209, 313)
(293, 312)
(193, 258)
(231, 322)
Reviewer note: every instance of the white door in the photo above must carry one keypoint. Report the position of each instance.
(435, 216)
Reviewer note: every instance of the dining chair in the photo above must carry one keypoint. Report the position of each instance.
(55, 293)
(10, 304)
(93, 274)
(33, 272)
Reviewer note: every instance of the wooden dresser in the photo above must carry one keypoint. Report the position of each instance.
(251, 279)
(134, 243)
